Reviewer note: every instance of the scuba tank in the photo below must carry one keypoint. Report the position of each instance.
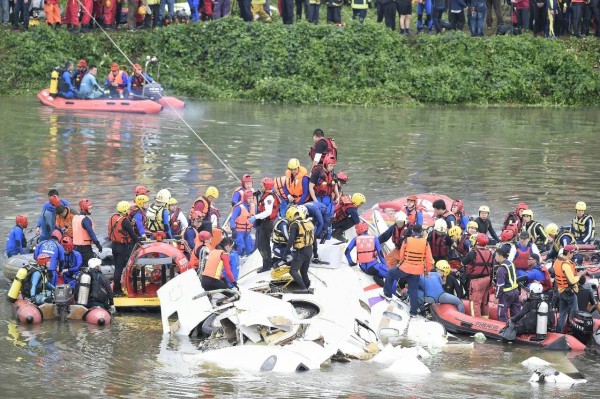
(54, 83)
(17, 283)
(84, 288)
(542, 321)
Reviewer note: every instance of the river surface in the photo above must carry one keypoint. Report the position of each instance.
(495, 156)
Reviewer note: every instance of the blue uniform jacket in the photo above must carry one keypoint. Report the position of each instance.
(16, 243)
(35, 279)
(47, 221)
(139, 222)
(86, 223)
(56, 252)
(431, 286)
(320, 215)
(235, 213)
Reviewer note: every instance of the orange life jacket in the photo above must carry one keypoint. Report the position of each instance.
(80, 235)
(117, 79)
(205, 209)
(415, 253)
(365, 249)
(276, 204)
(325, 184)
(340, 209)
(411, 214)
(294, 184)
(66, 223)
(217, 237)
(559, 274)
(242, 223)
(214, 264)
(279, 183)
(116, 232)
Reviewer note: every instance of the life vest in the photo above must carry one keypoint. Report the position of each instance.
(62, 83)
(174, 222)
(461, 246)
(80, 235)
(199, 256)
(359, 4)
(240, 191)
(278, 236)
(511, 276)
(276, 204)
(97, 290)
(398, 235)
(512, 218)
(482, 265)
(411, 214)
(242, 224)
(116, 232)
(154, 218)
(116, 79)
(365, 249)
(132, 211)
(522, 256)
(557, 245)
(294, 184)
(137, 82)
(79, 77)
(579, 228)
(325, 183)
(66, 223)
(331, 148)
(446, 215)
(214, 264)
(414, 255)
(340, 210)
(279, 183)
(306, 233)
(531, 227)
(559, 274)
(27, 284)
(205, 211)
(439, 249)
(217, 237)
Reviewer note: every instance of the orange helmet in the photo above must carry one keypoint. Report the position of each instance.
(67, 243)
(42, 259)
(82, 63)
(412, 198)
(268, 182)
(114, 66)
(329, 160)
(22, 221)
(361, 228)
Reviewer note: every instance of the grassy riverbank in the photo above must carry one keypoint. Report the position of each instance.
(358, 64)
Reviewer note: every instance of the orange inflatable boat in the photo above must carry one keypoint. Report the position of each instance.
(100, 104)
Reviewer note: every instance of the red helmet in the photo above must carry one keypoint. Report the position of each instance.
(342, 177)
(361, 228)
(85, 204)
(197, 215)
(246, 179)
(521, 206)
(57, 234)
(141, 190)
(458, 204)
(507, 235)
(482, 240)
(204, 236)
(42, 259)
(248, 194)
(67, 244)
(268, 183)
(54, 200)
(22, 221)
(329, 160)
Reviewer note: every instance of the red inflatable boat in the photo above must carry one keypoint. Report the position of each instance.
(101, 104)
(29, 313)
(424, 202)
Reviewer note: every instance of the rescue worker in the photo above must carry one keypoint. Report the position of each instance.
(464, 245)
(507, 288)
(538, 273)
(137, 213)
(64, 220)
(341, 178)
(585, 297)
(17, 243)
(322, 186)
(369, 255)
(450, 282)
(137, 81)
(141, 190)
(124, 238)
(431, 289)
(566, 280)
(83, 231)
(109, 12)
(116, 81)
(458, 211)
(66, 89)
(302, 235)
(321, 219)
(202, 247)
(281, 236)
(82, 70)
(346, 215)
(190, 233)
(359, 9)
(157, 215)
(440, 211)
(415, 260)
(217, 262)
(439, 241)
(526, 320)
(73, 262)
(398, 233)
(36, 285)
(240, 224)
(47, 220)
(322, 146)
(296, 188)
(203, 204)
(426, 6)
(268, 208)
(515, 217)
(507, 238)
(478, 268)
(455, 234)
(583, 225)
(238, 193)
(72, 18)
(484, 224)
(560, 239)
(414, 215)
(52, 248)
(101, 294)
(521, 252)
(535, 229)
(177, 220)
(89, 89)
(280, 194)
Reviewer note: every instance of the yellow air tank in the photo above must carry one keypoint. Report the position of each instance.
(17, 283)
(53, 83)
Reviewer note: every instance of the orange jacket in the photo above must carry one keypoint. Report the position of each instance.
(415, 256)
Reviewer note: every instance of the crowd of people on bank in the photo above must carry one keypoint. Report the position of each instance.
(549, 18)
(286, 218)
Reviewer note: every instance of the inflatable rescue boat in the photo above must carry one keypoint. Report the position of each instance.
(100, 104)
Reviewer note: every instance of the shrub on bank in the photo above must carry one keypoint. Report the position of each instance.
(306, 64)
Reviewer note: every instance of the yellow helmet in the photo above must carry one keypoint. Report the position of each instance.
(140, 200)
(123, 207)
(212, 192)
(440, 226)
(172, 201)
(291, 213)
(142, 10)
(551, 229)
(293, 163)
(455, 232)
(163, 195)
(444, 267)
(580, 206)
(358, 199)
(484, 208)
(472, 224)
(527, 212)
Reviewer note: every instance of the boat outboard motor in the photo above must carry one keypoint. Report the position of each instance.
(63, 297)
(582, 326)
(541, 328)
(153, 91)
(84, 288)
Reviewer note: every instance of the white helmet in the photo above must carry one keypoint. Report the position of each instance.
(163, 196)
(303, 211)
(440, 226)
(400, 217)
(536, 288)
(94, 262)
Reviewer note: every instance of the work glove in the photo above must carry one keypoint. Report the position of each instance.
(98, 246)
